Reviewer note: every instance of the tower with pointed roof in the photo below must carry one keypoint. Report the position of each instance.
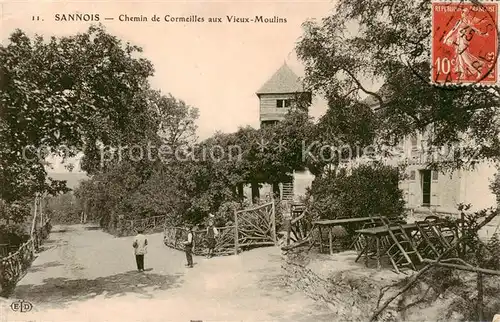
(282, 92)
(279, 94)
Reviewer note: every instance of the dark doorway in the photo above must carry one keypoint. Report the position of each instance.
(426, 187)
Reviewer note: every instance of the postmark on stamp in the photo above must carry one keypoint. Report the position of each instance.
(464, 43)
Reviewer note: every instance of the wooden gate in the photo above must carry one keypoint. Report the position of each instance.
(255, 226)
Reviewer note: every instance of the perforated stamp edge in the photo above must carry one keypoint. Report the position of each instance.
(431, 46)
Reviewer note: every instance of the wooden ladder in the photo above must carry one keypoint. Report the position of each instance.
(402, 250)
(426, 240)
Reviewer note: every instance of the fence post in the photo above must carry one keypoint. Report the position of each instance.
(236, 246)
(463, 249)
(34, 217)
(273, 222)
(41, 211)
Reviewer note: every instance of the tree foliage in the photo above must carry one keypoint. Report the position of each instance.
(365, 191)
(63, 96)
(201, 178)
(388, 42)
(340, 135)
(63, 209)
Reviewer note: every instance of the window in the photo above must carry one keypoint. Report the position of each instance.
(412, 175)
(434, 175)
(283, 103)
(414, 142)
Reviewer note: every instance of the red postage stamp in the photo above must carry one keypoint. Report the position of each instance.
(464, 43)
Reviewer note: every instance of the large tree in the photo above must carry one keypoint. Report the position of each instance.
(388, 42)
(341, 134)
(67, 95)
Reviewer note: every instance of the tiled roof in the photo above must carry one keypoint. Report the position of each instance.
(283, 81)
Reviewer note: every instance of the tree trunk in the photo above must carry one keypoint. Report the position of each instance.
(255, 192)
(240, 191)
(480, 315)
(276, 191)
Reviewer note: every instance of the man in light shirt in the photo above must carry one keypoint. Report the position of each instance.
(140, 249)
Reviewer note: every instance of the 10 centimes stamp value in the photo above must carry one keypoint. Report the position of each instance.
(464, 43)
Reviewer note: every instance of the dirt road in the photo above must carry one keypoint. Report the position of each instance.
(87, 275)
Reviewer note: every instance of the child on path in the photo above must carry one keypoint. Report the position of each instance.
(188, 247)
(211, 234)
(140, 249)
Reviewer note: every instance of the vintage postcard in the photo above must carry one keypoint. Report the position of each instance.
(274, 160)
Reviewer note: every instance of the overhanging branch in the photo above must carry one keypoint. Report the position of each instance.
(361, 87)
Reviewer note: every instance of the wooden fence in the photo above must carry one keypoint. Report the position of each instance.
(14, 266)
(6, 249)
(175, 236)
(252, 227)
(154, 224)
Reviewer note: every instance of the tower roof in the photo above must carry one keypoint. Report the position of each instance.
(284, 80)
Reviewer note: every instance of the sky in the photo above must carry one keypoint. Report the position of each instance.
(214, 67)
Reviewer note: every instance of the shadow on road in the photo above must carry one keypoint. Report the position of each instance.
(59, 231)
(60, 291)
(92, 228)
(37, 268)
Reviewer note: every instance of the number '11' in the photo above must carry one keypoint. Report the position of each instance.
(35, 18)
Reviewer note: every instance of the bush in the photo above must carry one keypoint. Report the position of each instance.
(225, 214)
(491, 258)
(13, 234)
(367, 190)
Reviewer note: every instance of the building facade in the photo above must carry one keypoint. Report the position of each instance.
(443, 190)
(439, 190)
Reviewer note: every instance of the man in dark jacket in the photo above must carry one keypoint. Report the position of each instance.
(188, 247)
(211, 234)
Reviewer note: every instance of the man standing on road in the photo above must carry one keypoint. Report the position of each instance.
(188, 247)
(140, 249)
(211, 234)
